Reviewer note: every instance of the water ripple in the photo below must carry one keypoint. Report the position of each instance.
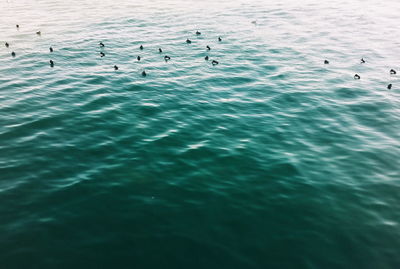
(270, 159)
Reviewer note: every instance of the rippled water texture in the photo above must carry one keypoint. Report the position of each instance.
(270, 159)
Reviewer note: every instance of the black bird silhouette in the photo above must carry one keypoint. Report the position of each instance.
(389, 86)
(115, 67)
(13, 54)
(356, 76)
(393, 72)
(206, 58)
(7, 45)
(101, 44)
(51, 63)
(160, 50)
(144, 73)
(51, 49)
(198, 33)
(188, 41)
(38, 33)
(167, 58)
(138, 58)
(17, 25)
(102, 54)
(362, 60)
(214, 62)
(326, 62)
(208, 47)
(219, 39)
(141, 47)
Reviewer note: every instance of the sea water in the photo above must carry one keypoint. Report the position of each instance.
(270, 159)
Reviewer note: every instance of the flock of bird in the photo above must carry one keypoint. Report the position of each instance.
(188, 41)
(357, 76)
(102, 54)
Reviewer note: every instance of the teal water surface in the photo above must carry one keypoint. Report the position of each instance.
(270, 159)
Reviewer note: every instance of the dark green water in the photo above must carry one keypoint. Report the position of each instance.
(270, 159)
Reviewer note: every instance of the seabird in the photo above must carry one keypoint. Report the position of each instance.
(38, 33)
(141, 47)
(356, 76)
(101, 44)
(144, 73)
(167, 58)
(13, 54)
(326, 62)
(198, 33)
(51, 49)
(389, 86)
(102, 54)
(138, 58)
(115, 67)
(51, 63)
(7, 45)
(17, 25)
(206, 58)
(160, 50)
(219, 39)
(393, 72)
(208, 47)
(214, 62)
(188, 41)
(362, 60)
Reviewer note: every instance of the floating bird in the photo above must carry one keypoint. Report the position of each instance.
(102, 54)
(254, 22)
(17, 25)
(141, 47)
(38, 33)
(208, 47)
(138, 58)
(51, 49)
(214, 62)
(198, 33)
(188, 41)
(115, 67)
(13, 54)
(51, 63)
(362, 61)
(167, 58)
(206, 58)
(7, 45)
(160, 50)
(219, 39)
(144, 73)
(356, 76)
(389, 86)
(101, 44)
(393, 72)
(326, 62)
